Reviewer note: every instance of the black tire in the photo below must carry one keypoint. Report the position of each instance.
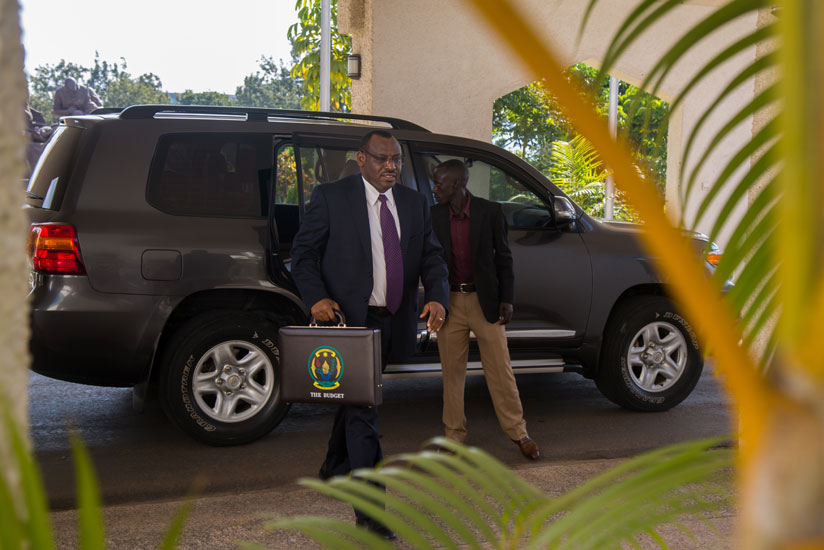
(242, 402)
(650, 360)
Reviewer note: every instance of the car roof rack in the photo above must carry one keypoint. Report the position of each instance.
(106, 110)
(258, 114)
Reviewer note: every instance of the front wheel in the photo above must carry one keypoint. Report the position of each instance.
(650, 359)
(219, 382)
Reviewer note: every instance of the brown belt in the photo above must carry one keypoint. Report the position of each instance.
(380, 311)
(462, 287)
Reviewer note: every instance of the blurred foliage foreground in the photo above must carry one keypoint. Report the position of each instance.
(441, 498)
(767, 55)
(24, 513)
(454, 496)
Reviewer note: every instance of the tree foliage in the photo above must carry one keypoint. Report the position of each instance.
(580, 173)
(530, 122)
(271, 87)
(526, 122)
(117, 88)
(112, 82)
(206, 98)
(305, 38)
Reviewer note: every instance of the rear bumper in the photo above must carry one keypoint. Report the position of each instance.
(81, 335)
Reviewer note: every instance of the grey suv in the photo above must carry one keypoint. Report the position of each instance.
(160, 244)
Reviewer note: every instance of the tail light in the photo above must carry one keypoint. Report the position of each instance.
(714, 258)
(53, 248)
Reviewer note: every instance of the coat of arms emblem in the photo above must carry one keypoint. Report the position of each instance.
(326, 368)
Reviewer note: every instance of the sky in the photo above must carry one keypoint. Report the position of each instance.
(190, 44)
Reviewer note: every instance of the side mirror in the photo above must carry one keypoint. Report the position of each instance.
(564, 211)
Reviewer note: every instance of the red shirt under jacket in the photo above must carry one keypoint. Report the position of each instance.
(460, 266)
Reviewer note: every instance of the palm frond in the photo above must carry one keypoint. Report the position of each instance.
(723, 197)
(91, 533)
(669, 59)
(33, 525)
(764, 136)
(731, 51)
(437, 500)
(750, 233)
(802, 199)
(25, 522)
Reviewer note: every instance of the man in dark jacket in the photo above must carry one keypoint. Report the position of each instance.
(472, 232)
(363, 245)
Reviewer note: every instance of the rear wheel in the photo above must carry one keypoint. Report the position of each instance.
(219, 382)
(650, 360)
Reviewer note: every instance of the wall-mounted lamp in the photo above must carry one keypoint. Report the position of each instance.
(353, 66)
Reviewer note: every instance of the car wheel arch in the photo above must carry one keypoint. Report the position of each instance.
(650, 357)
(629, 294)
(275, 306)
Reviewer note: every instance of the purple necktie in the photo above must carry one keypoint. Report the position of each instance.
(392, 257)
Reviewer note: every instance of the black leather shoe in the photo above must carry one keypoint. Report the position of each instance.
(323, 473)
(376, 527)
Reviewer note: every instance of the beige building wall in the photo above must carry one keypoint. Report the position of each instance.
(437, 63)
(14, 360)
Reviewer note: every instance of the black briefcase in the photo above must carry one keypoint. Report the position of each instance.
(330, 364)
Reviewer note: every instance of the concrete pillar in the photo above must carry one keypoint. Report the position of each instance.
(14, 334)
(355, 18)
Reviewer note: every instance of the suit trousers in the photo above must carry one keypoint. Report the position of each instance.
(453, 345)
(354, 442)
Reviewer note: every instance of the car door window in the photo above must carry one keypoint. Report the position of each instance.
(286, 179)
(318, 164)
(522, 208)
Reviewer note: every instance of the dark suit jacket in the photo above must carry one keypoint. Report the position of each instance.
(332, 256)
(491, 257)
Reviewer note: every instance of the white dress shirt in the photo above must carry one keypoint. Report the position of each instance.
(373, 207)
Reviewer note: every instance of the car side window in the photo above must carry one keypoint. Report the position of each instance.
(211, 174)
(522, 208)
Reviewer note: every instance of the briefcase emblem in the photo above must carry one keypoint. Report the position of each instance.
(326, 368)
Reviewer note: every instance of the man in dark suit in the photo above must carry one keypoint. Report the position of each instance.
(472, 231)
(363, 244)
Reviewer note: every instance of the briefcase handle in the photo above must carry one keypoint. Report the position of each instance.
(338, 314)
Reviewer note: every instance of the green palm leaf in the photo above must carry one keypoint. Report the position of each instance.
(33, 525)
(89, 517)
(440, 500)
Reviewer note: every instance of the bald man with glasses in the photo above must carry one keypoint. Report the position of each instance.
(363, 245)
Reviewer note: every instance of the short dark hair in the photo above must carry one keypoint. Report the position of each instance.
(368, 137)
(456, 165)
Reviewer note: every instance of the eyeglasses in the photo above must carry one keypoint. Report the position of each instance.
(394, 160)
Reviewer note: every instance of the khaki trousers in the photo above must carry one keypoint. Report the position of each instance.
(453, 345)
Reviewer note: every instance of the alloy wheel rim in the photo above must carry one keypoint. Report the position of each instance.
(657, 357)
(233, 381)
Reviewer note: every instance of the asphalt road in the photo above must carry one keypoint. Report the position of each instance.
(140, 457)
